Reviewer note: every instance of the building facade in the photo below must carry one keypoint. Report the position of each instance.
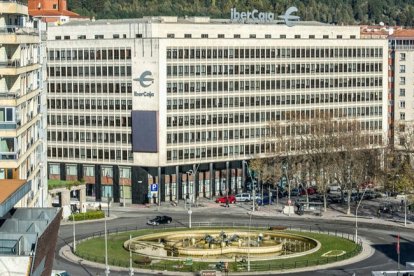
(401, 56)
(23, 180)
(181, 103)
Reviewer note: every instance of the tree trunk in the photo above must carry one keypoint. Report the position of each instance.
(324, 202)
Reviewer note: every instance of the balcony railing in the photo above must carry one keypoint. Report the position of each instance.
(18, 30)
(9, 94)
(5, 126)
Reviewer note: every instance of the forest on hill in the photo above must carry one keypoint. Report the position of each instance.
(347, 12)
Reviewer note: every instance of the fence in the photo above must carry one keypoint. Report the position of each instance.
(235, 266)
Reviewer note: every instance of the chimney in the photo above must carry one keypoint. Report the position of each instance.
(62, 5)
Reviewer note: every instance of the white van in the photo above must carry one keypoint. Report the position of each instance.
(335, 189)
(244, 197)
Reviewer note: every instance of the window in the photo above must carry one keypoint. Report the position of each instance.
(252, 36)
(297, 36)
(402, 80)
(339, 36)
(402, 68)
(6, 114)
(187, 35)
(99, 36)
(138, 35)
(66, 37)
(204, 35)
(54, 169)
(402, 92)
(325, 37)
(115, 36)
(170, 35)
(88, 171)
(402, 115)
(268, 36)
(237, 36)
(402, 56)
(55, 6)
(402, 104)
(58, 37)
(352, 37)
(282, 36)
(220, 36)
(311, 36)
(81, 36)
(71, 170)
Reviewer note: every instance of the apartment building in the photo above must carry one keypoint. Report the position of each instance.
(401, 90)
(23, 180)
(169, 108)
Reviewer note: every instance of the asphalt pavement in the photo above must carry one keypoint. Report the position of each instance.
(379, 233)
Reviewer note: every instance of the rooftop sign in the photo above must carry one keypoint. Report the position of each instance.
(263, 17)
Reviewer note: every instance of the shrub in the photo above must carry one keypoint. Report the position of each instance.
(88, 215)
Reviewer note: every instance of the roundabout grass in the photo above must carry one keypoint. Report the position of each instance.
(94, 250)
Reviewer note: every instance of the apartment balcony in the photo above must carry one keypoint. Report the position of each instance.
(13, 7)
(14, 67)
(14, 34)
(8, 149)
(12, 191)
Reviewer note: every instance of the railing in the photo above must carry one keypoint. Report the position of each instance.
(240, 266)
(18, 30)
(9, 94)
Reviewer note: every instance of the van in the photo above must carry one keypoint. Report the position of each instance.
(244, 197)
(335, 189)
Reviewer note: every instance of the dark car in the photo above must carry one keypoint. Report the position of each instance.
(265, 201)
(160, 220)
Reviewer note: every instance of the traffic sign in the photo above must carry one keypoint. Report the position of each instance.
(154, 187)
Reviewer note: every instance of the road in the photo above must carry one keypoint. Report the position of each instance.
(382, 237)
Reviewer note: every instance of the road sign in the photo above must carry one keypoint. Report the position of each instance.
(154, 187)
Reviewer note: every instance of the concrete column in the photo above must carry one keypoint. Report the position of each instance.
(65, 198)
(82, 198)
(212, 182)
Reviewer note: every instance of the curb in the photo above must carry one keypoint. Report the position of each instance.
(67, 222)
(367, 251)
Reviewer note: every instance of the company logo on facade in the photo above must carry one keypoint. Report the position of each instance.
(257, 16)
(146, 79)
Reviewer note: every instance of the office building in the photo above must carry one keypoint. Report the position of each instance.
(182, 102)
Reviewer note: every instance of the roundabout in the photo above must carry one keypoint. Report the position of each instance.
(205, 248)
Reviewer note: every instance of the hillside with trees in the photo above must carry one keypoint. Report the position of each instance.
(391, 12)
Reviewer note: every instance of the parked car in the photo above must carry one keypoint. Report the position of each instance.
(231, 199)
(59, 273)
(160, 220)
(244, 197)
(265, 201)
(294, 192)
(310, 191)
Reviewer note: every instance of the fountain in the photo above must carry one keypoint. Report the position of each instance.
(210, 245)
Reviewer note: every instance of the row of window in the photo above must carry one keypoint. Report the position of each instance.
(214, 86)
(308, 98)
(89, 171)
(267, 36)
(96, 137)
(89, 54)
(90, 154)
(86, 87)
(273, 52)
(89, 121)
(92, 71)
(90, 104)
(255, 149)
(269, 116)
(239, 133)
(272, 69)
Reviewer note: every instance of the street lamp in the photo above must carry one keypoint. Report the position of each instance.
(285, 168)
(248, 248)
(74, 233)
(109, 201)
(356, 215)
(253, 186)
(106, 252)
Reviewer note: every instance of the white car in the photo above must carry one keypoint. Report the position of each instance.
(244, 197)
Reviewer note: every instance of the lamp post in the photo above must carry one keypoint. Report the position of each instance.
(248, 248)
(123, 191)
(109, 201)
(253, 186)
(74, 233)
(356, 215)
(131, 269)
(106, 252)
(285, 168)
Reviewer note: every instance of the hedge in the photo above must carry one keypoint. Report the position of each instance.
(88, 215)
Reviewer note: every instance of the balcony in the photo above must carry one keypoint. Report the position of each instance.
(13, 67)
(8, 149)
(15, 34)
(13, 7)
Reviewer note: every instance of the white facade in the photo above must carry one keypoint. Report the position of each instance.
(22, 103)
(217, 85)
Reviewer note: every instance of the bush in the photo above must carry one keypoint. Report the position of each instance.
(88, 215)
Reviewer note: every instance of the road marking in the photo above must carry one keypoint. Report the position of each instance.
(334, 253)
